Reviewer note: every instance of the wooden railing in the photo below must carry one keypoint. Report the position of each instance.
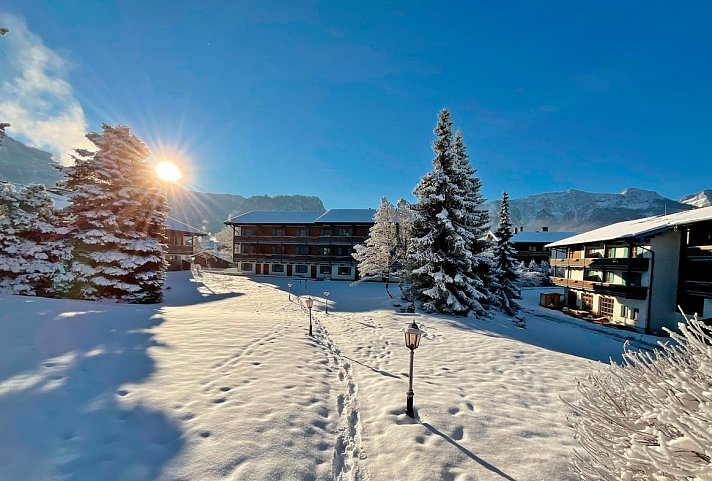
(179, 249)
(571, 262)
(560, 281)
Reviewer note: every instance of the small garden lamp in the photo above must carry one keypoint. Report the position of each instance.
(289, 286)
(310, 303)
(412, 340)
(326, 302)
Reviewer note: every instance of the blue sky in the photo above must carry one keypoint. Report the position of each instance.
(339, 99)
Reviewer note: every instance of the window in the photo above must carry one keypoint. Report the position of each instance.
(187, 240)
(301, 250)
(344, 231)
(247, 231)
(277, 231)
(276, 250)
(344, 271)
(246, 266)
(624, 311)
(605, 306)
(302, 232)
(633, 278)
(324, 232)
(277, 268)
(248, 249)
(300, 269)
(325, 251)
(586, 302)
(324, 269)
(636, 314)
(610, 278)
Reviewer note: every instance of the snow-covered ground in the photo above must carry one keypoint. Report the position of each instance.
(222, 382)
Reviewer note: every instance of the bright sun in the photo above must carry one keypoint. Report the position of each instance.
(167, 171)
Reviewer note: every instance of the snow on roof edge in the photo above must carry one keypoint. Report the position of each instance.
(637, 227)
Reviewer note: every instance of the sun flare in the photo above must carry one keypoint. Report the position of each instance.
(168, 171)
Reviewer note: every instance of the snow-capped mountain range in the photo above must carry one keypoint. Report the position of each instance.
(700, 199)
(572, 210)
(579, 211)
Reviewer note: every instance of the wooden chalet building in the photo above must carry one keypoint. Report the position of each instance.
(637, 272)
(181, 241)
(311, 244)
(531, 246)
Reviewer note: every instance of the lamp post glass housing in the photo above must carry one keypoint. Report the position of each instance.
(310, 303)
(412, 341)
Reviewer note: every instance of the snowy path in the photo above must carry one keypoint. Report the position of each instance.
(222, 382)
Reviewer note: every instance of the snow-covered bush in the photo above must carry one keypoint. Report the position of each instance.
(531, 275)
(651, 417)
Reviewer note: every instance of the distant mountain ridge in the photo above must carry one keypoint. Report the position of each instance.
(23, 165)
(572, 210)
(700, 199)
(579, 211)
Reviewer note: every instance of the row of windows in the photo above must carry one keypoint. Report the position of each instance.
(304, 232)
(629, 313)
(300, 268)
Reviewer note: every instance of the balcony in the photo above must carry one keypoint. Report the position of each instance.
(179, 249)
(636, 264)
(263, 239)
(627, 292)
(560, 281)
(698, 288)
(571, 262)
(291, 258)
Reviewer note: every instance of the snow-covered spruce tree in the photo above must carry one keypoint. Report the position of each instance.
(475, 218)
(651, 417)
(506, 288)
(440, 257)
(33, 250)
(378, 252)
(117, 214)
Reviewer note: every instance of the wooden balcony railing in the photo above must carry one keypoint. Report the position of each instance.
(179, 249)
(292, 258)
(637, 264)
(628, 292)
(571, 262)
(560, 281)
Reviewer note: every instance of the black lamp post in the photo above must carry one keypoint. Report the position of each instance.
(289, 286)
(412, 340)
(326, 302)
(310, 303)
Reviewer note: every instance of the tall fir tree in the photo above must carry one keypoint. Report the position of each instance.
(376, 255)
(33, 247)
(506, 288)
(117, 214)
(475, 218)
(440, 257)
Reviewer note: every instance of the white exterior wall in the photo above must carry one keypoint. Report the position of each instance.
(617, 302)
(665, 276)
